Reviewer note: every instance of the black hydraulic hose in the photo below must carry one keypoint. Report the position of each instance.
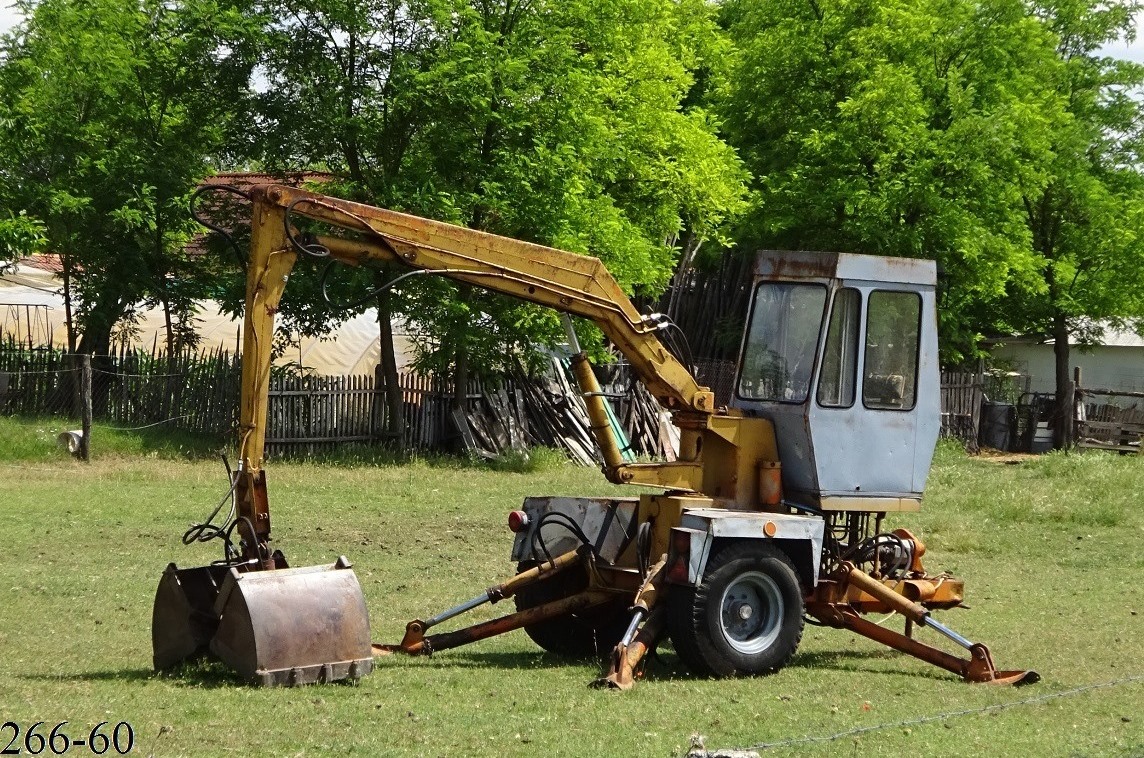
(224, 233)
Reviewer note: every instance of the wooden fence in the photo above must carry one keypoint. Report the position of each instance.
(129, 388)
(36, 382)
(313, 414)
(961, 396)
(309, 414)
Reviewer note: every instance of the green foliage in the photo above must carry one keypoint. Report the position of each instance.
(936, 128)
(574, 124)
(20, 235)
(892, 129)
(114, 110)
(1085, 207)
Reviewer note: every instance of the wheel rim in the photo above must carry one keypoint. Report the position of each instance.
(751, 612)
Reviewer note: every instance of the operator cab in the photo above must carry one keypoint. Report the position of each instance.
(840, 353)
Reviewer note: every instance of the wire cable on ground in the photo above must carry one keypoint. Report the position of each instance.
(145, 426)
(127, 373)
(922, 719)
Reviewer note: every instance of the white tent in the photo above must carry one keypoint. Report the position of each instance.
(32, 310)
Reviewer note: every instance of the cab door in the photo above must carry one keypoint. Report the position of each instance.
(864, 412)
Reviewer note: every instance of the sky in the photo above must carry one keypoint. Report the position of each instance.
(1134, 52)
(8, 17)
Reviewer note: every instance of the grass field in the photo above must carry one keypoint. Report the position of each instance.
(1050, 550)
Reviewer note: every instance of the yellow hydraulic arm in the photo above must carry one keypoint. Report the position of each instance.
(570, 283)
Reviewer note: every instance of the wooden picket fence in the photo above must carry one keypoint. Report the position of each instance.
(310, 415)
(961, 397)
(130, 388)
(38, 382)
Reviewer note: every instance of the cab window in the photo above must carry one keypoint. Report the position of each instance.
(893, 327)
(778, 361)
(838, 381)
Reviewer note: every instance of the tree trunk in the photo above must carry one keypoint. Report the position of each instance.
(96, 342)
(69, 320)
(461, 370)
(96, 337)
(167, 324)
(1063, 415)
(394, 402)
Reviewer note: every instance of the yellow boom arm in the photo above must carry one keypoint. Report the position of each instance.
(576, 284)
(571, 283)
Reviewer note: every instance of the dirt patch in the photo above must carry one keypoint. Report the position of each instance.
(1000, 456)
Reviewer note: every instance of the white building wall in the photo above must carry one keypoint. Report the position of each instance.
(1112, 368)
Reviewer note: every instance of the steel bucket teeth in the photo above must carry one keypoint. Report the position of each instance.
(293, 626)
(183, 619)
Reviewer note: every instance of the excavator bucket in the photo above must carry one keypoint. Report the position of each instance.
(293, 626)
(183, 620)
(277, 627)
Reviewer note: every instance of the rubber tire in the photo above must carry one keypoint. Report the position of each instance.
(695, 615)
(593, 633)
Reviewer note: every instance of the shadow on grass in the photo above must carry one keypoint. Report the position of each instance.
(164, 442)
(477, 659)
(842, 660)
(661, 665)
(203, 674)
(665, 665)
(123, 675)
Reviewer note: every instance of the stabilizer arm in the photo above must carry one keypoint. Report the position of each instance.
(978, 668)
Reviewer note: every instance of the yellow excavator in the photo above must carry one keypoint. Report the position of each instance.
(772, 514)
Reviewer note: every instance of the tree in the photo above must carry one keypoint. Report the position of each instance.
(565, 123)
(1085, 208)
(558, 123)
(901, 128)
(990, 136)
(116, 108)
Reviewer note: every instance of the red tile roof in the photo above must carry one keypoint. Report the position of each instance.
(44, 262)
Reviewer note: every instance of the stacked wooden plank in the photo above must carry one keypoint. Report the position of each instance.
(547, 410)
(557, 416)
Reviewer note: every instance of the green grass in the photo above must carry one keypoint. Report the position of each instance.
(37, 440)
(1050, 550)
